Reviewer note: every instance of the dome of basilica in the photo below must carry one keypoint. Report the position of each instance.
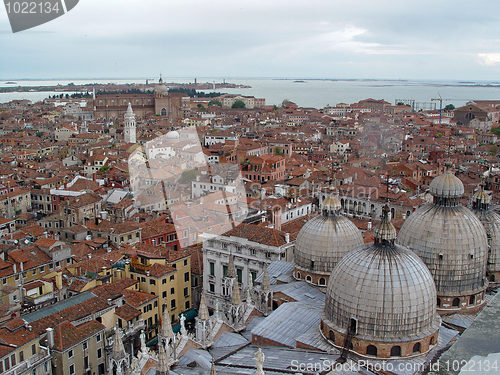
(452, 242)
(323, 241)
(384, 294)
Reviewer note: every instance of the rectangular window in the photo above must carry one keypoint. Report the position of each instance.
(185, 262)
(164, 281)
(13, 359)
(212, 287)
(21, 356)
(164, 294)
(186, 305)
(172, 304)
(98, 338)
(7, 364)
(71, 370)
(186, 292)
(33, 349)
(172, 278)
(152, 282)
(70, 354)
(129, 237)
(239, 272)
(99, 353)
(86, 362)
(85, 345)
(186, 277)
(212, 268)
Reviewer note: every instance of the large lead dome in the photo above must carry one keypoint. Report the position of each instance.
(452, 242)
(322, 242)
(491, 222)
(385, 295)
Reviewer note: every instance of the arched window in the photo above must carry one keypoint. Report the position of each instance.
(112, 102)
(322, 281)
(456, 302)
(308, 278)
(331, 335)
(396, 351)
(353, 325)
(439, 301)
(371, 350)
(163, 111)
(492, 277)
(299, 276)
(432, 341)
(137, 101)
(416, 348)
(472, 300)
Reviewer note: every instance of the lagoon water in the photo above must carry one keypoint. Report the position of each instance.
(315, 93)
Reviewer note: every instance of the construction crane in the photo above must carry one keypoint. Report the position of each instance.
(440, 100)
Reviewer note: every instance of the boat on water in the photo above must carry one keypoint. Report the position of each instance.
(11, 83)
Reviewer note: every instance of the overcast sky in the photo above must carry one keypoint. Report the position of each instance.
(407, 39)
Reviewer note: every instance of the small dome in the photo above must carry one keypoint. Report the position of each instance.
(481, 197)
(384, 230)
(387, 289)
(447, 185)
(331, 204)
(161, 88)
(172, 135)
(323, 241)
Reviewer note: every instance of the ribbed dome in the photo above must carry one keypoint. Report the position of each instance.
(491, 222)
(385, 231)
(161, 88)
(452, 243)
(324, 240)
(331, 204)
(481, 197)
(387, 289)
(447, 185)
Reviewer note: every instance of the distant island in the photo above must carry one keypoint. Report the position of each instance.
(112, 87)
(10, 83)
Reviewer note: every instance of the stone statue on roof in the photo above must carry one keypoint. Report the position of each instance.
(259, 361)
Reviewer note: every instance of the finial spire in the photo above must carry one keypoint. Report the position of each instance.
(231, 270)
(166, 327)
(203, 310)
(236, 298)
(266, 284)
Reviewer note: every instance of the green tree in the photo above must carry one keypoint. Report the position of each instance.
(449, 107)
(187, 176)
(214, 102)
(238, 104)
(103, 169)
(496, 130)
(277, 151)
(201, 106)
(493, 150)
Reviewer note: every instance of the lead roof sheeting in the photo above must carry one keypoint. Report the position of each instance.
(60, 306)
(313, 338)
(288, 322)
(201, 357)
(301, 292)
(230, 339)
(459, 320)
(275, 270)
(277, 359)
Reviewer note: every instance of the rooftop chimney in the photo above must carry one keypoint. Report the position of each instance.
(50, 337)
